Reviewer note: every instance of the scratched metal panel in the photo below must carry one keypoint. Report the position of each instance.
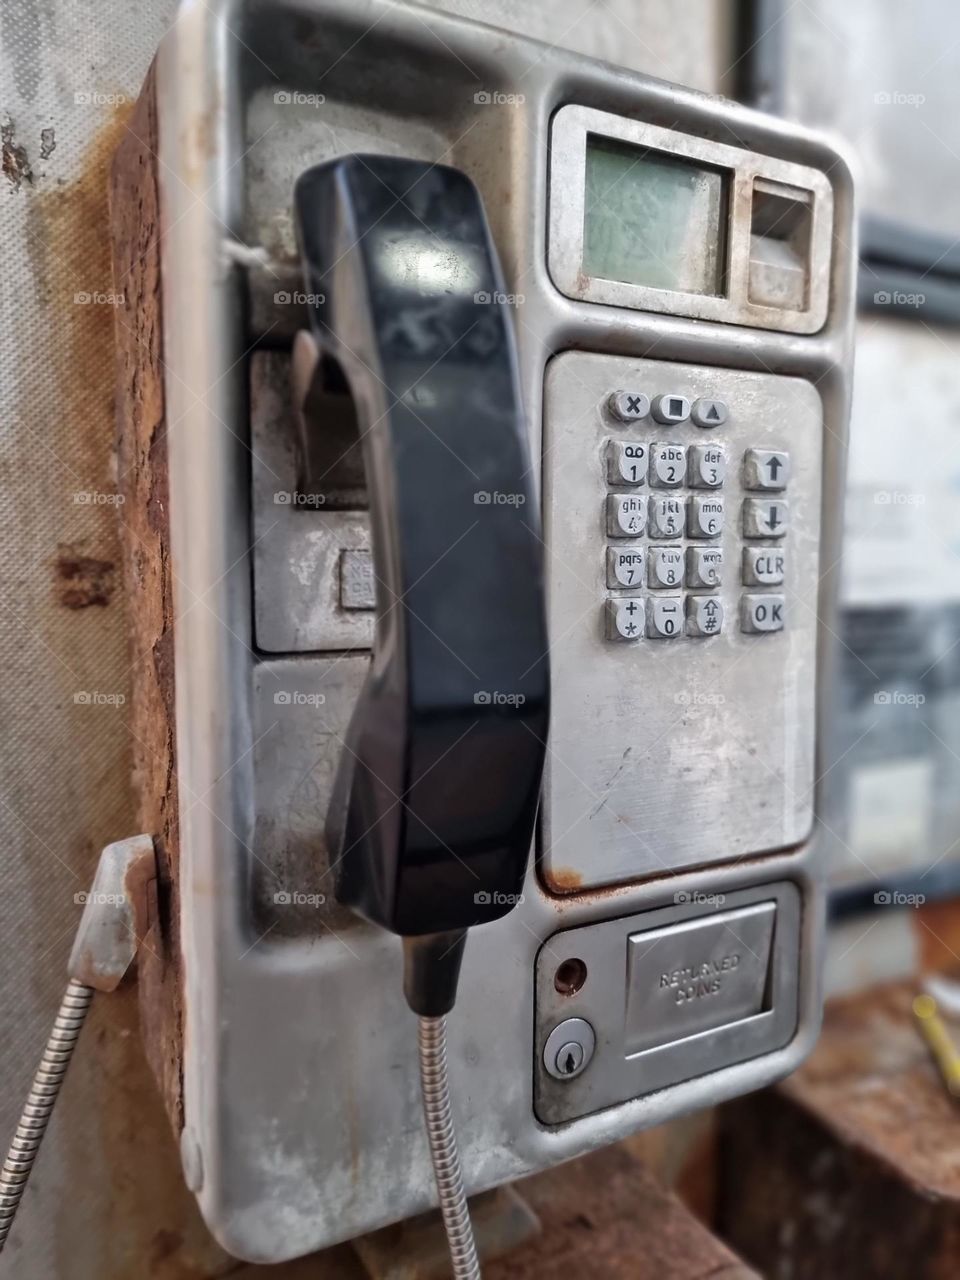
(106, 1200)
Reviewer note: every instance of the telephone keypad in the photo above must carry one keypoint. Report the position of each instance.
(664, 617)
(626, 462)
(667, 465)
(628, 406)
(697, 516)
(625, 619)
(670, 409)
(762, 566)
(665, 567)
(709, 413)
(666, 517)
(704, 565)
(765, 469)
(626, 516)
(708, 466)
(624, 567)
(705, 517)
(762, 613)
(764, 518)
(704, 615)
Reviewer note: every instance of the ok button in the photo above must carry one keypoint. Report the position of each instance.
(761, 613)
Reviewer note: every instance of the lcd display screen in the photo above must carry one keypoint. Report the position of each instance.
(653, 219)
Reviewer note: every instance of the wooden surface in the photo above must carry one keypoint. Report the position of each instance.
(142, 480)
(851, 1167)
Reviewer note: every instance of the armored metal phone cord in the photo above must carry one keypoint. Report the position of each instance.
(43, 1094)
(432, 1039)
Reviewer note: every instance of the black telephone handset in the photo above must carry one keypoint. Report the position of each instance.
(439, 778)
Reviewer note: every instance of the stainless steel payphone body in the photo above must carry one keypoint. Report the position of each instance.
(687, 403)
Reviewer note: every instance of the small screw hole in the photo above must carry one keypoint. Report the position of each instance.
(570, 977)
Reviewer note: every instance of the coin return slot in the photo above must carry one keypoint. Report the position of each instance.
(780, 227)
(692, 977)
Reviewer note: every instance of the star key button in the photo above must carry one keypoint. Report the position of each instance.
(624, 619)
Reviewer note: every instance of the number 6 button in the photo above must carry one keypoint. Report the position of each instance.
(704, 517)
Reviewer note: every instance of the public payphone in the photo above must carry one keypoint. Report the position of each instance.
(481, 357)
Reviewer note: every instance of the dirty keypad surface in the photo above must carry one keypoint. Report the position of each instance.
(682, 522)
(665, 514)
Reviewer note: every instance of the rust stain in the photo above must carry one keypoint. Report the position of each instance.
(82, 580)
(937, 927)
(16, 163)
(565, 880)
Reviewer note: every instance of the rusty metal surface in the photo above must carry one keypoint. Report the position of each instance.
(115, 916)
(858, 1154)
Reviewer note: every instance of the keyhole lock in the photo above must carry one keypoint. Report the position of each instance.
(569, 1048)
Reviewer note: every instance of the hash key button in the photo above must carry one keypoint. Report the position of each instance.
(704, 616)
(764, 518)
(761, 613)
(765, 469)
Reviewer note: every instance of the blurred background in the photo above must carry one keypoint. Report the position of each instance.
(107, 1200)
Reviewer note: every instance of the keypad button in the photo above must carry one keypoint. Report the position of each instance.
(703, 566)
(704, 616)
(762, 566)
(624, 566)
(626, 462)
(708, 466)
(705, 517)
(626, 515)
(670, 409)
(764, 518)
(628, 406)
(765, 469)
(667, 465)
(709, 413)
(666, 517)
(761, 613)
(665, 567)
(664, 616)
(624, 619)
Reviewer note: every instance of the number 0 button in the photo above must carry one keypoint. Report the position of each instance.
(664, 617)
